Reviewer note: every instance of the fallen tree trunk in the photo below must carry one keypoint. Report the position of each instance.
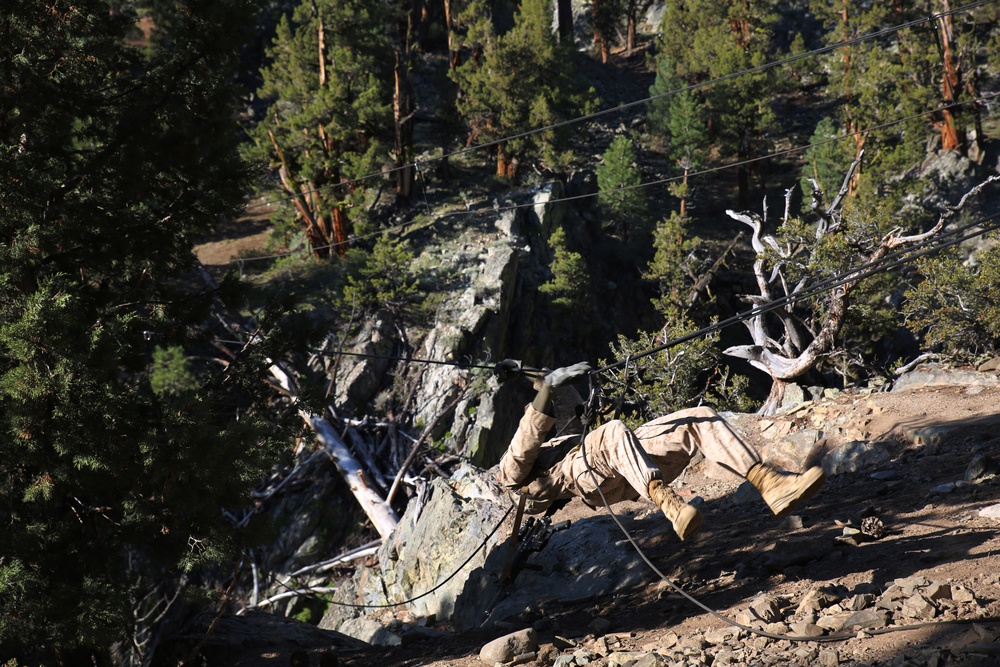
(378, 511)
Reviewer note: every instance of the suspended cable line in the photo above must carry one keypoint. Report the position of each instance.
(659, 181)
(901, 257)
(627, 105)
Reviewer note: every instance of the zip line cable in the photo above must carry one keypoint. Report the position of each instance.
(604, 112)
(890, 261)
(661, 181)
(936, 243)
(436, 587)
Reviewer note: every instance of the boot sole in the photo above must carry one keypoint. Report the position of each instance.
(812, 480)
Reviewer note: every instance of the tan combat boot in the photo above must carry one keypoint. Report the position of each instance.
(783, 491)
(685, 519)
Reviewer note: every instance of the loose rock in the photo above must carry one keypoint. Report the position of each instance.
(506, 648)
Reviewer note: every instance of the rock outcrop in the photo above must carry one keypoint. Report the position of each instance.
(420, 573)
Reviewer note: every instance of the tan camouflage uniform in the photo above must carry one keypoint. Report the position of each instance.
(623, 461)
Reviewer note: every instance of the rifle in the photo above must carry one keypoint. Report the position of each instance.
(532, 537)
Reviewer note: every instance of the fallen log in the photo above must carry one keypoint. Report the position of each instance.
(378, 511)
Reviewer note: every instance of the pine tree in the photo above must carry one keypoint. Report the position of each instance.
(672, 266)
(677, 119)
(569, 286)
(115, 159)
(953, 307)
(330, 119)
(522, 81)
(622, 201)
(705, 39)
(904, 75)
(605, 19)
(826, 162)
(384, 280)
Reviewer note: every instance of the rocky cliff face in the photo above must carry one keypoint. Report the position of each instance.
(425, 574)
(488, 312)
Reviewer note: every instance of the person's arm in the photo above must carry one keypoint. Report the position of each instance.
(517, 462)
(538, 419)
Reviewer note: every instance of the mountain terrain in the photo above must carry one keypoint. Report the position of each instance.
(921, 459)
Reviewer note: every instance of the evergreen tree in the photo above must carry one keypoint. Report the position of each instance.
(905, 74)
(673, 266)
(826, 162)
(705, 39)
(677, 119)
(384, 280)
(622, 202)
(954, 307)
(522, 81)
(678, 377)
(569, 286)
(330, 119)
(115, 159)
(605, 19)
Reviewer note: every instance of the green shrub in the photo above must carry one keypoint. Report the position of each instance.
(954, 308)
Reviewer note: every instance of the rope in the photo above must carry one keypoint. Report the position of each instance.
(843, 636)
(438, 586)
(660, 181)
(860, 272)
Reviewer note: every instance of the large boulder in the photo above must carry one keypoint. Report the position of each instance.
(447, 522)
(445, 561)
(361, 376)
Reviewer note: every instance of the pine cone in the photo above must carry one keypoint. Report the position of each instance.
(873, 527)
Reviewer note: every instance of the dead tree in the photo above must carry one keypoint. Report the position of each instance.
(379, 512)
(791, 339)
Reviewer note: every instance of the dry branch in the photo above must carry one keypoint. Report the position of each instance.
(798, 346)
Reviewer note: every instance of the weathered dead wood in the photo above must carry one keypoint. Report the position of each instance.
(798, 345)
(378, 511)
(416, 447)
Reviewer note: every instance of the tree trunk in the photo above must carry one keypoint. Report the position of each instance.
(950, 83)
(318, 239)
(774, 397)
(450, 29)
(379, 512)
(564, 17)
(321, 38)
(683, 210)
(743, 176)
(402, 112)
(340, 231)
(506, 165)
(630, 33)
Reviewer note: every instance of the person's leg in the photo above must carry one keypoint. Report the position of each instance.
(612, 459)
(673, 440)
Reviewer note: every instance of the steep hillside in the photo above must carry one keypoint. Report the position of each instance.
(928, 472)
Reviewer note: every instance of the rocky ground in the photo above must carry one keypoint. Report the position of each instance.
(920, 586)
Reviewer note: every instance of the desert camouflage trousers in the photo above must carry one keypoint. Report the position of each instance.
(619, 461)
